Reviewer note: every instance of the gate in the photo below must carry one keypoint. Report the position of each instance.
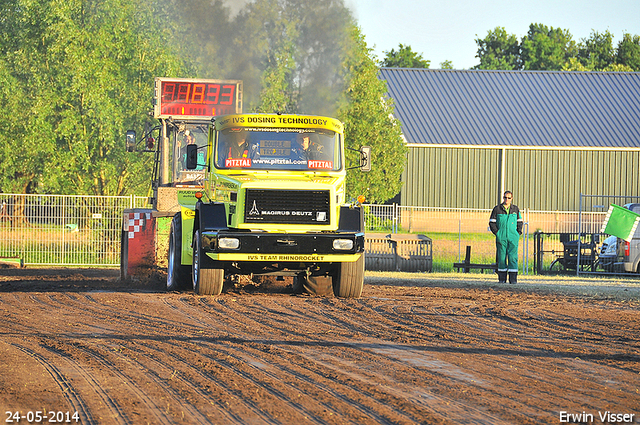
(63, 230)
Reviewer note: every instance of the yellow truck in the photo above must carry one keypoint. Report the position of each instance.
(273, 203)
(244, 194)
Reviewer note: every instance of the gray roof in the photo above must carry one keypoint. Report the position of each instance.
(517, 108)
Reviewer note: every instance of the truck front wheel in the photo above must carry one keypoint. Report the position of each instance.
(348, 279)
(177, 274)
(206, 281)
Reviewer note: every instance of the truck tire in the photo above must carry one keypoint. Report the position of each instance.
(317, 285)
(348, 280)
(178, 276)
(313, 285)
(206, 281)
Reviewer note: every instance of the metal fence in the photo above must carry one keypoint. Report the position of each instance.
(398, 219)
(453, 229)
(63, 230)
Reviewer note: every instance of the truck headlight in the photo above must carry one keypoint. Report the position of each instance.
(228, 243)
(342, 244)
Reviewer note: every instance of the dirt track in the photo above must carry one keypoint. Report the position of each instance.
(414, 349)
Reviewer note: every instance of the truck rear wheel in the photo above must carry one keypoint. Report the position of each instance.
(348, 280)
(206, 281)
(314, 285)
(178, 276)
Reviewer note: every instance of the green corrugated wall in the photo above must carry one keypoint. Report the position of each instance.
(548, 180)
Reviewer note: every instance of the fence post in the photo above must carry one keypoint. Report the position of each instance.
(64, 242)
(459, 233)
(525, 250)
(579, 234)
(411, 220)
(394, 227)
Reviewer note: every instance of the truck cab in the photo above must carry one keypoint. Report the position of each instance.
(273, 202)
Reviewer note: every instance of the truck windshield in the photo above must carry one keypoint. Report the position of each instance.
(278, 149)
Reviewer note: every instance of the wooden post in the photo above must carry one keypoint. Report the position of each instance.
(467, 258)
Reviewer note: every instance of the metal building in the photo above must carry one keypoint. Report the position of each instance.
(546, 136)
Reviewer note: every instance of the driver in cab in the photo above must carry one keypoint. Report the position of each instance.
(238, 145)
(309, 148)
(238, 148)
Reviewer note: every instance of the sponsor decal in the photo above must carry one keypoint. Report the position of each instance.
(322, 165)
(285, 257)
(299, 120)
(255, 212)
(285, 212)
(188, 214)
(240, 162)
(287, 121)
(261, 120)
(325, 258)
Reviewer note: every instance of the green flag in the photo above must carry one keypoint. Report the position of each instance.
(620, 222)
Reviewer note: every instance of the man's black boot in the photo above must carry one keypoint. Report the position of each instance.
(502, 277)
(513, 277)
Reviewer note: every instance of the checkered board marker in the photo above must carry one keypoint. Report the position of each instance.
(137, 222)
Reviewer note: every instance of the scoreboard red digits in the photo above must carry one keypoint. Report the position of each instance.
(197, 98)
(213, 93)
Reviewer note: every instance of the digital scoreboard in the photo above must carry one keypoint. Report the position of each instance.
(195, 98)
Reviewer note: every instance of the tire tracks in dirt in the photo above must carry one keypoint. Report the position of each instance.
(402, 356)
(70, 394)
(394, 398)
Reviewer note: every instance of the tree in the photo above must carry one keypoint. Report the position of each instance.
(203, 32)
(546, 48)
(276, 95)
(26, 136)
(277, 80)
(447, 64)
(368, 117)
(628, 51)
(83, 72)
(404, 58)
(287, 52)
(575, 65)
(596, 52)
(498, 50)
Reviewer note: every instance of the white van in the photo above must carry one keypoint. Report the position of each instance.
(629, 252)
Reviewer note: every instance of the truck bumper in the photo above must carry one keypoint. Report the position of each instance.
(284, 247)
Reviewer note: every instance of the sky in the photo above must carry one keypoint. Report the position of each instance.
(447, 29)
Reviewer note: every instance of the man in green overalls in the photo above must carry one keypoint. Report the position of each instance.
(506, 223)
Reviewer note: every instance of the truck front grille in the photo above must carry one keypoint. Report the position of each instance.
(287, 206)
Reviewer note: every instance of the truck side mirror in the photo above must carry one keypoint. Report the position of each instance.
(365, 158)
(192, 157)
(131, 141)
